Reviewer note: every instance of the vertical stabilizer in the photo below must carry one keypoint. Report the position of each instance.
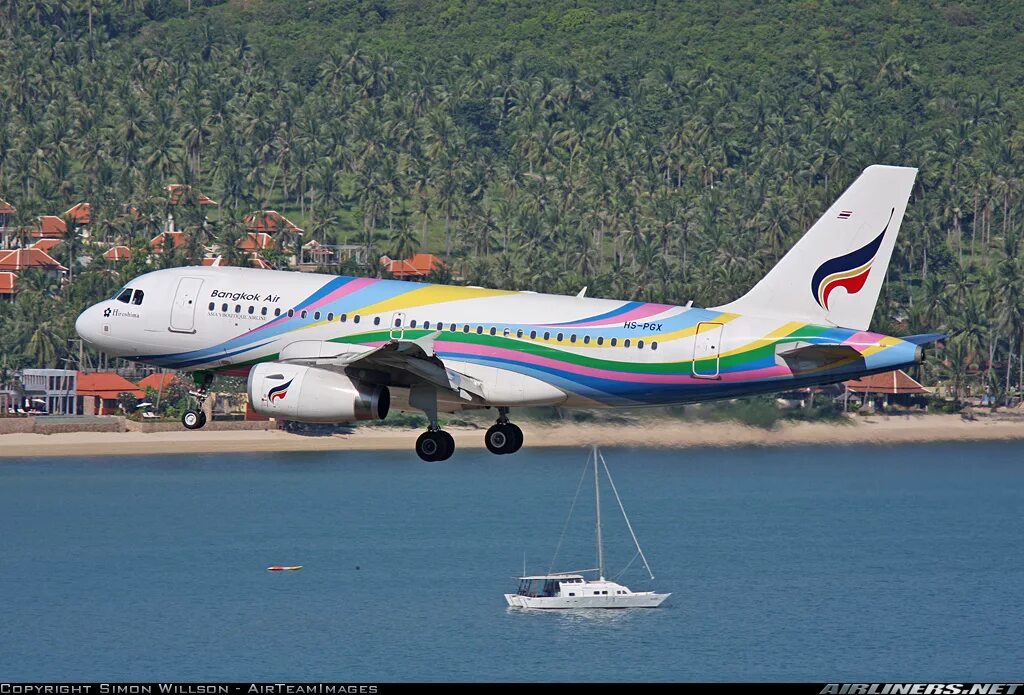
(834, 274)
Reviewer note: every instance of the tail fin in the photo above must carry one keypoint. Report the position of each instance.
(834, 273)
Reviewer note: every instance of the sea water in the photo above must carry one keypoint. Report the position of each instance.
(818, 563)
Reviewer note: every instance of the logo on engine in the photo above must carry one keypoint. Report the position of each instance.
(279, 392)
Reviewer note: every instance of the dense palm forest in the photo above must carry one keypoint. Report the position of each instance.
(654, 150)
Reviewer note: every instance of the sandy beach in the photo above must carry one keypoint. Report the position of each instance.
(656, 433)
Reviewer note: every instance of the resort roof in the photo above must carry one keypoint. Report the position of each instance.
(157, 381)
(257, 241)
(19, 259)
(106, 385)
(157, 242)
(420, 265)
(49, 226)
(896, 382)
(271, 222)
(8, 282)
(6, 208)
(177, 191)
(81, 213)
(46, 244)
(117, 253)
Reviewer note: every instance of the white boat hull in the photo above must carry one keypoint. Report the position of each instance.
(644, 599)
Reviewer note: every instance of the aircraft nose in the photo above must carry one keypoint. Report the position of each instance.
(87, 325)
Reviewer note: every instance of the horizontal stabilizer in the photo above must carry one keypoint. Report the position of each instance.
(925, 338)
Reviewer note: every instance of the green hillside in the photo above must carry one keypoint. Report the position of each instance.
(655, 150)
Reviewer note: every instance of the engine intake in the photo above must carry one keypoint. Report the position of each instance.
(309, 394)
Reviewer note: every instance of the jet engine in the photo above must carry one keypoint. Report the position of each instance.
(309, 394)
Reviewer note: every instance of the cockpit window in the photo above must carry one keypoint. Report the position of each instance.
(125, 296)
(137, 297)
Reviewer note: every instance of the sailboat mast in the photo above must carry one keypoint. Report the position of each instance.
(597, 503)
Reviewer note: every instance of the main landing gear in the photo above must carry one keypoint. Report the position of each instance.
(435, 445)
(195, 418)
(503, 437)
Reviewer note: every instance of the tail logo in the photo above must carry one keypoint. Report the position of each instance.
(279, 392)
(849, 271)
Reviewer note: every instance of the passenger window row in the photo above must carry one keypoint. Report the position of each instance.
(452, 328)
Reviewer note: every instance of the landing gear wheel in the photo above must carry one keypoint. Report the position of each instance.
(517, 436)
(435, 445)
(193, 419)
(503, 438)
(449, 444)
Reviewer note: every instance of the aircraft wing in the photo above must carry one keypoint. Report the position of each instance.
(806, 357)
(405, 362)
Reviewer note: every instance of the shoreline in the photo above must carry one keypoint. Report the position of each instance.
(657, 433)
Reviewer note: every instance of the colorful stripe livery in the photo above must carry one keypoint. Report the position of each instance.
(590, 349)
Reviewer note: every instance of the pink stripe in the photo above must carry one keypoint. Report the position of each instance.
(641, 312)
(346, 289)
(612, 375)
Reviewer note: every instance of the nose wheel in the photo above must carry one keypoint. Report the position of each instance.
(503, 437)
(193, 419)
(435, 445)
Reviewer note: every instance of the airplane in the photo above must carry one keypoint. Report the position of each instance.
(324, 348)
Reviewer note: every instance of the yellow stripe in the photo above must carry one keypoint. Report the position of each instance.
(781, 332)
(431, 294)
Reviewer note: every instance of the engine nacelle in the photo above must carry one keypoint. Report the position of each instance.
(308, 394)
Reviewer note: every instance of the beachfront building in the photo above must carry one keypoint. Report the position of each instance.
(99, 393)
(892, 387)
(416, 268)
(50, 390)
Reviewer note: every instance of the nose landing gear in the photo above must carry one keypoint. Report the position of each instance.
(195, 418)
(503, 437)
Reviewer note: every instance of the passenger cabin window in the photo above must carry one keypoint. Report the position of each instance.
(547, 335)
(263, 311)
(291, 312)
(303, 314)
(277, 311)
(412, 324)
(376, 320)
(252, 310)
(600, 340)
(533, 335)
(355, 318)
(224, 307)
(640, 344)
(586, 340)
(654, 345)
(212, 305)
(519, 333)
(238, 308)
(479, 329)
(344, 318)
(625, 343)
(465, 328)
(330, 316)
(572, 338)
(614, 341)
(137, 297)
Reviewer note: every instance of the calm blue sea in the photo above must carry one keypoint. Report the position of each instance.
(814, 563)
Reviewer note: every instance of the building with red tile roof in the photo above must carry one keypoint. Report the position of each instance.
(420, 265)
(98, 392)
(271, 222)
(890, 383)
(176, 239)
(158, 381)
(80, 214)
(49, 227)
(256, 241)
(22, 259)
(8, 284)
(117, 253)
(46, 244)
(176, 193)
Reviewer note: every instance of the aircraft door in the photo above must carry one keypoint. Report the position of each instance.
(707, 348)
(183, 308)
(397, 325)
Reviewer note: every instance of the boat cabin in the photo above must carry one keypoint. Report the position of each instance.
(549, 585)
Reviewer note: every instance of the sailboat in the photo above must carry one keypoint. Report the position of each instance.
(567, 590)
